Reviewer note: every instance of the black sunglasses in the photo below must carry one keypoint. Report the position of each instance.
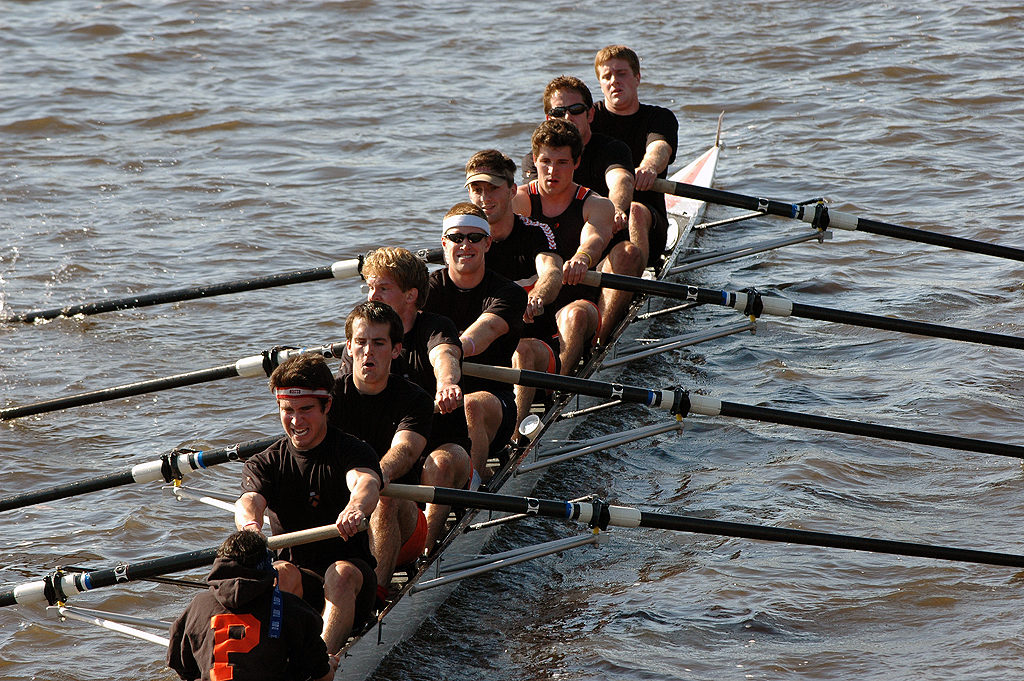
(575, 109)
(457, 237)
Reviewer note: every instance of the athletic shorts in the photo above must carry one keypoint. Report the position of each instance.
(657, 237)
(508, 421)
(448, 429)
(313, 591)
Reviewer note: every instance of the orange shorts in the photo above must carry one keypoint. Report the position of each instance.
(413, 548)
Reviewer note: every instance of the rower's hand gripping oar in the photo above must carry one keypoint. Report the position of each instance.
(602, 515)
(755, 304)
(680, 403)
(342, 269)
(168, 468)
(822, 218)
(253, 366)
(58, 585)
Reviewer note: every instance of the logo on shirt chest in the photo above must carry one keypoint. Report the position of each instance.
(314, 499)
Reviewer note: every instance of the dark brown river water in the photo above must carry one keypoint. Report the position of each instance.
(154, 145)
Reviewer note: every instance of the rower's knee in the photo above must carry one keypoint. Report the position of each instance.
(530, 355)
(289, 578)
(446, 467)
(640, 217)
(342, 581)
(626, 258)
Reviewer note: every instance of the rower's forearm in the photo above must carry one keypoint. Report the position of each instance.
(398, 461)
(656, 156)
(447, 369)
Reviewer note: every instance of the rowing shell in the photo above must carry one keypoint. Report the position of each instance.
(432, 584)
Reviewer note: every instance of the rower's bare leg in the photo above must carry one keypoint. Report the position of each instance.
(342, 584)
(483, 418)
(640, 221)
(391, 525)
(447, 466)
(577, 323)
(288, 577)
(531, 354)
(625, 258)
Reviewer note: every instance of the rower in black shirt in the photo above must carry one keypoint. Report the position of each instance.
(488, 311)
(523, 250)
(430, 357)
(651, 132)
(394, 417)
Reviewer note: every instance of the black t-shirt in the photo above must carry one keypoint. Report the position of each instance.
(308, 489)
(633, 130)
(600, 154)
(494, 294)
(376, 419)
(413, 364)
(515, 256)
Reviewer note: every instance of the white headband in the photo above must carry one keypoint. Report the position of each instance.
(465, 221)
(300, 392)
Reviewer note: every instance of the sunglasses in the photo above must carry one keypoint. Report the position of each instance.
(574, 109)
(457, 237)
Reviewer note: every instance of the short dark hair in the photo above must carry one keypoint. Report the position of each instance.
(375, 312)
(567, 83)
(308, 370)
(555, 133)
(244, 547)
(494, 161)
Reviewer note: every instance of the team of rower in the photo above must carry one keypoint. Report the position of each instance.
(510, 294)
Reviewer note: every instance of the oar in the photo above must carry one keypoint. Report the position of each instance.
(248, 367)
(603, 515)
(167, 468)
(755, 304)
(343, 269)
(823, 218)
(57, 586)
(681, 403)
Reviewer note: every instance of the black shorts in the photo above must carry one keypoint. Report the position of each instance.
(657, 237)
(508, 421)
(449, 429)
(313, 590)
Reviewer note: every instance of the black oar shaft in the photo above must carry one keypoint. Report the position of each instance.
(247, 367)
(906, 326)
(178, 295)
(106, 394)
(682, 403)
(825, 539)
(73, 583)
(166, 468)
(605, 515)
(757, 304)
(835, 425)
(342, 269)
(820, 216)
